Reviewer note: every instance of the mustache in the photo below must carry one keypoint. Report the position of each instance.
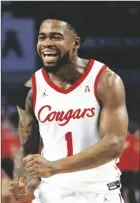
(61, 62)
(49, 48)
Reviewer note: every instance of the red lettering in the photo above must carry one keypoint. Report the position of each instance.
(92, 111)
(40, 111)
(67, 117)
(52, 114)
(83, 114)
(59, 116)
(77, 114)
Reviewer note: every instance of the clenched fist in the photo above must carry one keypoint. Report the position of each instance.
(18, 189)
(38, 166)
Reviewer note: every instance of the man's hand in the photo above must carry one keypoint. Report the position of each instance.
(38, 166)
(18, 189)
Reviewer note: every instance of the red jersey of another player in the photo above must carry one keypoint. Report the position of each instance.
(130, 156)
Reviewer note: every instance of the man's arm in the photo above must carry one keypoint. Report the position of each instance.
(29, 136)
(113, 124)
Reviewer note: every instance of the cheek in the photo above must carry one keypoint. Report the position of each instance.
(64, 47)
(37, 47)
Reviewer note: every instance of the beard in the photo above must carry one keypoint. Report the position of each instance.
(60, 63)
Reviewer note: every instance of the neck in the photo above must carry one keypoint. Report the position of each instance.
(70, 71)
(72, 63)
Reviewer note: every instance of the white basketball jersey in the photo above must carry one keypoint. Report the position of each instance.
(68, 123)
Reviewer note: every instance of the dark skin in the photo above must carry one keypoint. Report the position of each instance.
(113, 120)
(29, 144)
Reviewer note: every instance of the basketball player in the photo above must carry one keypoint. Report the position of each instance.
(79, 105)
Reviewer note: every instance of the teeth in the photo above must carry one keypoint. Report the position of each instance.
(50, 53)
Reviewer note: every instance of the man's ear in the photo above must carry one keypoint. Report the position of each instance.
(77, 42)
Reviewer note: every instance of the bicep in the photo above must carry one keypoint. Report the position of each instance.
(113, 121)
(113, 116)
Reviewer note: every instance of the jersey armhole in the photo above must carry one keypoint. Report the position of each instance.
(104, 67)
(34, 89)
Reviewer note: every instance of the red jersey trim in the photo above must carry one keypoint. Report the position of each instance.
(76, 84)
(97, 80)
(34, 90)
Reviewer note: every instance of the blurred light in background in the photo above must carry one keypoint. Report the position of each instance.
(18, 43)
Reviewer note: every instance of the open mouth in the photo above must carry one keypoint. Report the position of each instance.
(49, 54)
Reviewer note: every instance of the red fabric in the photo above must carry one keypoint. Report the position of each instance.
(7, 133)
(10, 143)
(130, 159)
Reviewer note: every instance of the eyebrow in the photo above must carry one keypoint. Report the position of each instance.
(52, 33)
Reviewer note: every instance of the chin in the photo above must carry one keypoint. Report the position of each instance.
(51, 68)
(49, 65)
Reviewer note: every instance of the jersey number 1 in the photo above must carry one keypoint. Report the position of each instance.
(68, 138)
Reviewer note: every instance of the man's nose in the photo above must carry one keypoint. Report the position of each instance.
(48, 42)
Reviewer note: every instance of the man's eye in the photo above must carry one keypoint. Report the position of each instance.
(41, 37)
(56, 37)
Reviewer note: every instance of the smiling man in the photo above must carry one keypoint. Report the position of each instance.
(53, 30)
(79, 105)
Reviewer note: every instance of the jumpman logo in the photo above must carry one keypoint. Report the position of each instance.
(45, 94)
(105, 200)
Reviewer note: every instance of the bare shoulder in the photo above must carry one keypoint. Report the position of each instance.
(109, 79)
(110, 87)
(26, 108)
(28, 83)
(24, 93)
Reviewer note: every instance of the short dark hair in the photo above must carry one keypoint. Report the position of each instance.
(70, 16)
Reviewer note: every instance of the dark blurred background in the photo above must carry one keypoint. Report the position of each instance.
(113, 37)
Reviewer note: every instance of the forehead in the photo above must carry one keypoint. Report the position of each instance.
(50, 25)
